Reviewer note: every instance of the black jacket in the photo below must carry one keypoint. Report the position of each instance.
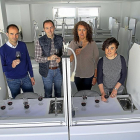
(45, 44)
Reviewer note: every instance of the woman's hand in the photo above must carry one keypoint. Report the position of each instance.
(103, 98)
(77, 51)
(101, 88)
(94, 80)
(113, 93)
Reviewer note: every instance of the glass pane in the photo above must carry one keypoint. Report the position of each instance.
(70, 27)
(87, 12)
(87, 19)
(59, 21)
(69, 21)
(64, 12)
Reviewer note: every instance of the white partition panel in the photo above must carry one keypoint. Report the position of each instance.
(126, 22)
(132, 25)
(112, 20)
(110, 23)
(115, 30)
(38, 87)
(133, 78)
(1, 40)
(124, 38)
(3, 87)
(95, 25)
(137, 33)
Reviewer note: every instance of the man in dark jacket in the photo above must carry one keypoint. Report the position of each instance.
(48, 50)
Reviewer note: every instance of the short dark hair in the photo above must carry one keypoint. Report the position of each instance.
(110, 41)
(46, 21)
(11, 25)
(88, 28)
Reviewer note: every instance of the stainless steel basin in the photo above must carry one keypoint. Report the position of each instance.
(125, 103)
(59, 107)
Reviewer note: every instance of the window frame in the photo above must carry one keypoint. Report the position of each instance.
(76, 13)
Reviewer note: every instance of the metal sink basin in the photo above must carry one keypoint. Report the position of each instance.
(125, 103)
(58, 105)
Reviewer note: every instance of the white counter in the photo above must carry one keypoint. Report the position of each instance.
(107, 122)
(106, 112)
(38, 115)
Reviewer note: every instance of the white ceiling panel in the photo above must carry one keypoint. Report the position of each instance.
(65, 1)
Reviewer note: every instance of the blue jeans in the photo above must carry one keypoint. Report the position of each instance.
(83, 83)
(54, 76)
(16, 84)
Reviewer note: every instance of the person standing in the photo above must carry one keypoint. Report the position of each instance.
(87, 55)
(16, 63)
(50, 66)
(111, 70)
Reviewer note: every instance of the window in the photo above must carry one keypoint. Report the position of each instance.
(88, 12)
(66, 14)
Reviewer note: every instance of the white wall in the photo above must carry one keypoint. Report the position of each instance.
(135, 10)
(13, 14)
(26, 22)
(109, 10)
(125, 11)
(20, 15)
(3, 17)
(41, 12)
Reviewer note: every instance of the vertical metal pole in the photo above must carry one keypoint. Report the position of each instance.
(67, 91)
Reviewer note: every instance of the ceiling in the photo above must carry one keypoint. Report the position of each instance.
(65, 1)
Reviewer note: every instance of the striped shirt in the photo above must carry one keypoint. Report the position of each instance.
(52, 52)
(41, 59)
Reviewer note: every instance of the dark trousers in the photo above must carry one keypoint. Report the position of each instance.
(83, 83)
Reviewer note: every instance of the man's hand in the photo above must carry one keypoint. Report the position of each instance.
(52, 57)
(32, 80)
(15, 63)
(58, 59)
